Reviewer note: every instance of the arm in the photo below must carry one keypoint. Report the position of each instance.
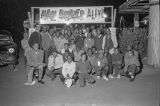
(73, 69)
(103, 42)
(50, 62)
(63, 70)
(60, 62)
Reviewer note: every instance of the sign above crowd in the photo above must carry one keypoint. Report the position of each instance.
(67, 15)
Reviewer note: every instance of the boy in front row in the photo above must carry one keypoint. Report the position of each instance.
(131, 65)
(35, 61)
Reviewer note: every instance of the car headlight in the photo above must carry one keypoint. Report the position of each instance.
(11, 50)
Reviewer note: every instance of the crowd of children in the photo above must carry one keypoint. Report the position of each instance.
(76, 53)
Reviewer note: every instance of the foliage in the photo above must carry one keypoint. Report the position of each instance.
(135, 37)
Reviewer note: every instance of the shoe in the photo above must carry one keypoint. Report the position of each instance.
(42, 82)
(98, 77)
(132, 79)
(118, 76)
(104, 77)
(110, 76)
(27, 83)
(33, 82)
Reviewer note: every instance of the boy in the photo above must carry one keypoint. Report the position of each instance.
(131, 65)
(35, 61)
(84, 68)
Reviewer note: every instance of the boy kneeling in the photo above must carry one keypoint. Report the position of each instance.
(35, 62)
(131, 65)
(68, 71)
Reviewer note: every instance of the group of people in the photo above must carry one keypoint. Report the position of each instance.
(75, 53)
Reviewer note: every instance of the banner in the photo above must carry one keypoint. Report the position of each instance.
(67, 15)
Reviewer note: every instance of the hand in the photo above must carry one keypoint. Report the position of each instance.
(52, 68)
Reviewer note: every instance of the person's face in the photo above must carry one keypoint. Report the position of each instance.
(80, 31)
(101, 53)
(98, 31)
(51, 31)
(90, 52)
(54, 54)
(38, 27)
(36, 46)
(84, 57)
(94, 50)
(45, 29)
(57, 34)
(78, 48)
(72, 41)
(69, 59)
(129, 48)
(116, 51)
(130, 53)
(66, 46)
(62, 31)
(26, 36)
(89, 35)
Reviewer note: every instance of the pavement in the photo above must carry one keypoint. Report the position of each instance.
(144, 91)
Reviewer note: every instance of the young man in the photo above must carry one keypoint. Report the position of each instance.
(117, 60)
(88, 42)
(55, 63)
(100, 65)
(107, 42)
(110, 67)
(79, 39)
(131, 65)
(68, 70)
(34, 61)
(25, 46)
(46, 43)
(84, 68)
(66, 47)
(98, 40)
(77, 54)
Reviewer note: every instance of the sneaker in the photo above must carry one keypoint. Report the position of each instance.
(98, 77)
(42, 82)
(104, 77)
(33, 82)
(27, 83)
(132, 79)
(118, 76)
(110, 76)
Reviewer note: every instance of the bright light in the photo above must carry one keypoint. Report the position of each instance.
(68, 23)
(105, 15)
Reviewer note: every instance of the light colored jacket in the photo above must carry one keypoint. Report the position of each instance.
(68, 68)
(55, 62)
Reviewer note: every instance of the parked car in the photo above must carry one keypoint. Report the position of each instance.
(8, 50)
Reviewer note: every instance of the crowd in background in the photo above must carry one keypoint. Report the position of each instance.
(76, 53)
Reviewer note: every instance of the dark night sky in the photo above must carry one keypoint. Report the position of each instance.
(13, 12)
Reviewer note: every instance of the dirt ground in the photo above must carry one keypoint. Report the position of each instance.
(144, 91)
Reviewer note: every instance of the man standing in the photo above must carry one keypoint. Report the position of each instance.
(55, 63)
(84, 68)
(98, 40)
(46, 43)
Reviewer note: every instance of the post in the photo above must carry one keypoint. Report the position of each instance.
(136, 20)
(154, 35)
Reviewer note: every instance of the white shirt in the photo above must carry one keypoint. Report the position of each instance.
(55, 62)
(68, 68)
